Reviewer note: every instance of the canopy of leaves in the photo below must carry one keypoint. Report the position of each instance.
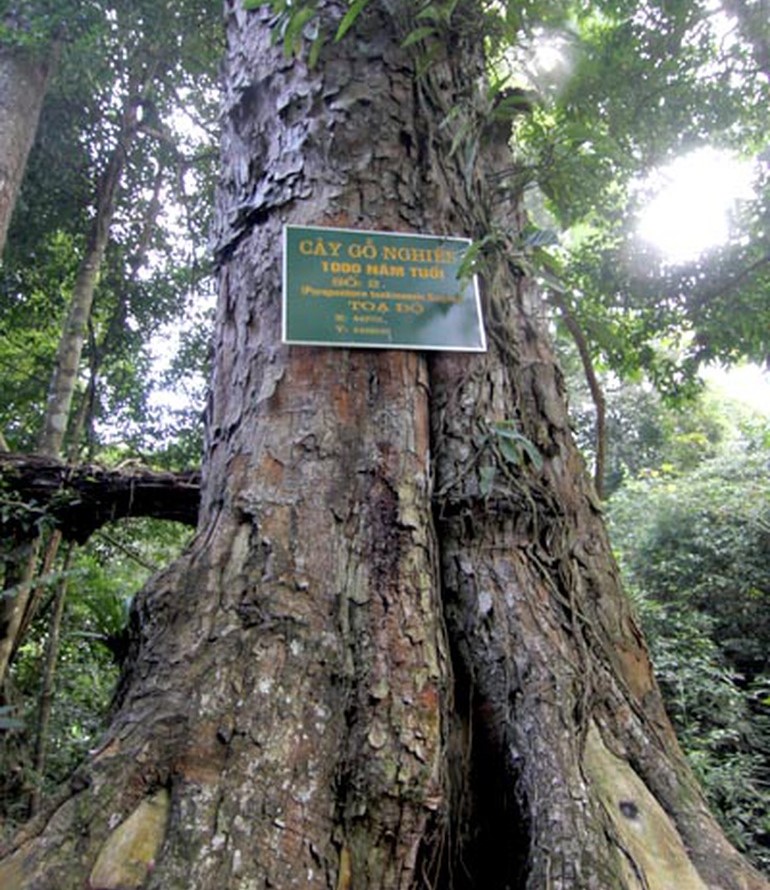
(636, 86)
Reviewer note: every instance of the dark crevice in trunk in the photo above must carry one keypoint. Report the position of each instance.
(489, 839)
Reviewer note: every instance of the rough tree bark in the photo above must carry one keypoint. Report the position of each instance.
(365, 673)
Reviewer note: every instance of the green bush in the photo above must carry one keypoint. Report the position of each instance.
(694, 550)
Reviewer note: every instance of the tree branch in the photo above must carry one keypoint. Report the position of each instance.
(597, 395)
(80, 499)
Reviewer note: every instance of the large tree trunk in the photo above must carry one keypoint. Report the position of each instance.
(23, 83)
(371, 670)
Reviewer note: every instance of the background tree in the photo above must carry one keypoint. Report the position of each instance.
(141, 159)
(25, 67)
(644, 432)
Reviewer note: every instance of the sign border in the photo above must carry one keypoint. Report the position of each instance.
(356, 345)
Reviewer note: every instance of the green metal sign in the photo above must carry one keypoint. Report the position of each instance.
(347, 287)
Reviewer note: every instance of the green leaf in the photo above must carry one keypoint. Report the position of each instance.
(439, 13)
(513, 445)
(516, 102)
(315, 49)
(472, 254)
(510, 452)
(469, 259)
(349, 18)
(533, 453)
(293, 36)
(534, 237)
(486, 480)
(418, 34)
(430, 12)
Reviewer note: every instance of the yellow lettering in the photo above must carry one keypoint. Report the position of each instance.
(414, 308)
(368, 306)
(385, 269)
(320, 248)
(428, 272)
(368, 250)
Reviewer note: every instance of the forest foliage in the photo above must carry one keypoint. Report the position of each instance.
(693, 545)
(636, 85)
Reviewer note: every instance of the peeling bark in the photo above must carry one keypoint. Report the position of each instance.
(546, 647)
(297, 722)
(370, 670)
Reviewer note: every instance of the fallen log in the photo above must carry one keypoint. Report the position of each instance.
(80, 499)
